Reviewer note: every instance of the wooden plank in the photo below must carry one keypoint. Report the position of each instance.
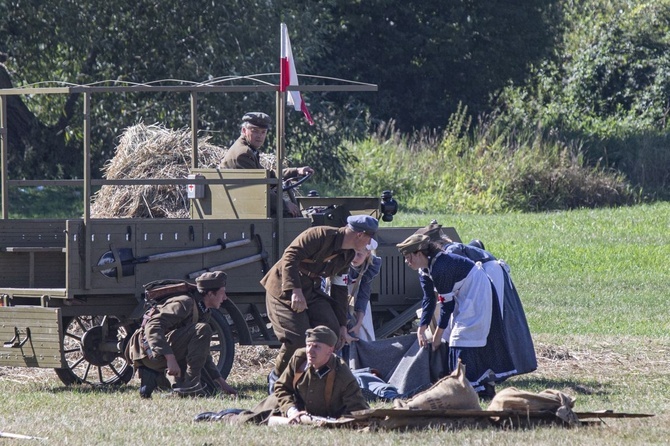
(455, 413)
(31, 337)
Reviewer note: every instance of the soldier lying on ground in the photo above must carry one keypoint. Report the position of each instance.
(175, 338)
(316, 383)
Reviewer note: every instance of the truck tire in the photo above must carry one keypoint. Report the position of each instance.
(87, 363)
(222, 345)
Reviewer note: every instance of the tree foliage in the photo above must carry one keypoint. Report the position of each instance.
(425, 56)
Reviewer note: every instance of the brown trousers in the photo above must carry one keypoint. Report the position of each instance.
(190, 345)
(290, 327)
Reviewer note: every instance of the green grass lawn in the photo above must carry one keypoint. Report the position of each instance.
(595, 285)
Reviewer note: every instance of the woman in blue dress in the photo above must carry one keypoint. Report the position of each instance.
(469, 313)
(517, 332)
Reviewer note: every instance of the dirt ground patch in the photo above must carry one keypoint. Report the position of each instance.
(604, 360)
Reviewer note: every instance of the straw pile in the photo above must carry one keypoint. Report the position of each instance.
(153, 152)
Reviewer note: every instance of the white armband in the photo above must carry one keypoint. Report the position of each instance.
(339, 280)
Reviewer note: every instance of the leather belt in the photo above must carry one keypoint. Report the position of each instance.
(312, 275)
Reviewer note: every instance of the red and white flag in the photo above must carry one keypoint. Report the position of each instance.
(288, 76)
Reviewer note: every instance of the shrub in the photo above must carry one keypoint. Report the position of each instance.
(489, 168)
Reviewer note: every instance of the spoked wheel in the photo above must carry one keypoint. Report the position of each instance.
(222, 345)
(93, 351)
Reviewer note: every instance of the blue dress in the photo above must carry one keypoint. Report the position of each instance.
(517, 333)
(470, 314)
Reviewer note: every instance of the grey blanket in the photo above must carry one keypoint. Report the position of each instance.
(400, 362)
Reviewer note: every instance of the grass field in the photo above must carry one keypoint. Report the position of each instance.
(595, 285)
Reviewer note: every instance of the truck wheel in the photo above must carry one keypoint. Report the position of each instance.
(91, 357)
(222, 345)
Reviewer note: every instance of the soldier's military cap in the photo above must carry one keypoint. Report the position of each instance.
(323, 334)
(363, 223)
(413, 243)
(211, 281)
(257, 119)
(433, 231)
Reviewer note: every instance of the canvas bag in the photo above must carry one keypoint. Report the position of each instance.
(548, 400)
(451, 392)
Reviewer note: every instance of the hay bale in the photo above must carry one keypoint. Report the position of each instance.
(153, 152)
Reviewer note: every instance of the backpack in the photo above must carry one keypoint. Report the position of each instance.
(158, 291)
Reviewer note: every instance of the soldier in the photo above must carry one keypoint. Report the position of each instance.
(244, 154)
(294, 298)
(315, 383)
(175, 337)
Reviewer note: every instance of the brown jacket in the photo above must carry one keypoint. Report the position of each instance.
(176, 312)
(314, 254)
(242, 156)
(310, 390)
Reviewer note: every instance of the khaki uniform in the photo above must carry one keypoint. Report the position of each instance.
(310, 390)
(314, 255)
(242, 156)
(177, 327)
(313, 392)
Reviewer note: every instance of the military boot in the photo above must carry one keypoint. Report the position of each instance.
(148, 381)
(188, 388)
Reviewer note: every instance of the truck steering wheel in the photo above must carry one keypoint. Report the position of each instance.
(292, 183)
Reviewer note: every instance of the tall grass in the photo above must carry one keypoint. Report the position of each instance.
(488, 167)
(594, 284)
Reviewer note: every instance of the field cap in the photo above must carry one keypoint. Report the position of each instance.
(211, 281)
(257, 119)
(363, 223)
(413, 243)
(372, 245)
(433, 231)
(322, 334)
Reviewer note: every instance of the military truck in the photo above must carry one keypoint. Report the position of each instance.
(71, 290)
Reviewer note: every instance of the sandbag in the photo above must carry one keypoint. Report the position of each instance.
(451, 392)
(548, 400)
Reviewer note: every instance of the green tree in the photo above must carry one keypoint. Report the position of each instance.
(427, 57)
(120, 41)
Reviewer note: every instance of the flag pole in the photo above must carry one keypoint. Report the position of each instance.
(281, 147)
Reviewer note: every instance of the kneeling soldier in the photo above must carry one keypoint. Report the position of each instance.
(175, 337)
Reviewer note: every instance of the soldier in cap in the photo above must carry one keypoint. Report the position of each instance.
(175, 339)
(469, 312)
(315, 383)
(294, 297)
(244, 154)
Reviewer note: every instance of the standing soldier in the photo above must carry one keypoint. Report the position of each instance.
(294, 297)
(175, 337)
